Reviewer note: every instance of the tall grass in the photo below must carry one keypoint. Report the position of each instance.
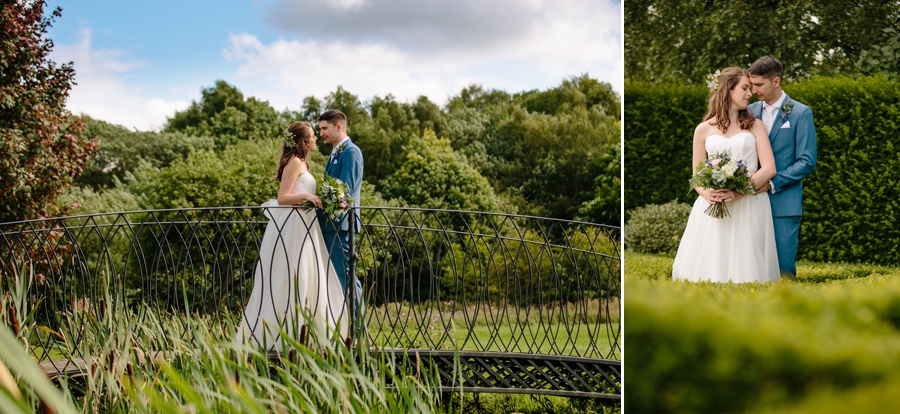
(138, 360)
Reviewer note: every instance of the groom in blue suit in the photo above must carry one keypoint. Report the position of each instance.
(346, 164)
(793, 137)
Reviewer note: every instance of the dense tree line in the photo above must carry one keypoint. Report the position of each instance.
(549, 153)
(682, 41)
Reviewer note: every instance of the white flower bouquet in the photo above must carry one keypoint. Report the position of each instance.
(719, 171)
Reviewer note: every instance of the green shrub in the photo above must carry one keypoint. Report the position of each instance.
(656, 228)
(852, 199)
(703, 347)
(723, 347)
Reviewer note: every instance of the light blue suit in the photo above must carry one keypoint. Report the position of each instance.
(793, 139)
(346, 166)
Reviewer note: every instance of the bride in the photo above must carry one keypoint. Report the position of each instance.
(740, 248)
(294, 274)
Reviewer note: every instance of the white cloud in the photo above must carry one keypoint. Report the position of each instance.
(289, 70)
(102, 90)
(553, 41)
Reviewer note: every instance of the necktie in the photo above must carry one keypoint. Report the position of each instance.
(769, 116)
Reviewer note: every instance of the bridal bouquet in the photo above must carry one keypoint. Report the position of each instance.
(335, 197)
(720, 171)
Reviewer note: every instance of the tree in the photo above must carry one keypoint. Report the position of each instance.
(42, 145)
(122, 150)
(243, 174)
(682, 41)
(883, 58)
(435, 176)
(225, 115)
(605, 207)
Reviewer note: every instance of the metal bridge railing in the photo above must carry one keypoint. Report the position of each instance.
(527, 289)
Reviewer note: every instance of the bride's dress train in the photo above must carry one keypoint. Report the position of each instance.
(740, 248)
(293, 272)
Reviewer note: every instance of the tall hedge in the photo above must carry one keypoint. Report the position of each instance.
(850, 203)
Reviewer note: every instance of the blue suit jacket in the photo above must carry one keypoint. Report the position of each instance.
(347, 167)
(793, 139)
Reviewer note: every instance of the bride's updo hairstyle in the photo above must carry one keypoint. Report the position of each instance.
(302, 135)
(719, 102)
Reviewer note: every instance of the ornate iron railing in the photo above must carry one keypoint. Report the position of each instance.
(524, 304)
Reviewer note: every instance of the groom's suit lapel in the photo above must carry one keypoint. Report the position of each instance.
(332, 163)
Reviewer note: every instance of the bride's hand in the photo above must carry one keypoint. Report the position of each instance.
(712, 196)
(315, 200)
(731, 195)
(715, 196)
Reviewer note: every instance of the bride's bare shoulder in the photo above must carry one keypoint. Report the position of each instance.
(705, 128)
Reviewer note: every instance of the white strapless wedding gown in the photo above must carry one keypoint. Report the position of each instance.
(293, 272)
(740, 248)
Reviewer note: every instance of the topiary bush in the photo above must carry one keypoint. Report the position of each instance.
(656, 228)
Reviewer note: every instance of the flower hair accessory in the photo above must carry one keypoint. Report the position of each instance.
(712, 80)
(288, 139)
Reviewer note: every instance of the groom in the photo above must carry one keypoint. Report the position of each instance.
(346, 164)
(793, 137)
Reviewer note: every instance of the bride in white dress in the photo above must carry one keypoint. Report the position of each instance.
(740, 248)
(293, 272)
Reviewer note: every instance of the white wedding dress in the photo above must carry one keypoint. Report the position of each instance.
(739, 248)
(293, 272)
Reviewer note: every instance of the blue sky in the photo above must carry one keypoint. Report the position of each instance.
(138, 62)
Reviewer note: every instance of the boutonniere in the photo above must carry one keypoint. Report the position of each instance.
(786, 109)
(340, 149)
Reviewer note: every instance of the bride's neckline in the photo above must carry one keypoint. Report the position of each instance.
(736, 134)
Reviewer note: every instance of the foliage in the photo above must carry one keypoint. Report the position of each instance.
(541, 150)
(122, 151)
(605, 207)
(707, 347)
(434, 176)
(225, 115)
(656, 228)
(659, 130)
(86, 200)
(42, 145)
(549, 153)
(145, 361)
(576, 91)
(539, 159)
(851, 199)
(682, 41)
(242, 174)
(883, 58)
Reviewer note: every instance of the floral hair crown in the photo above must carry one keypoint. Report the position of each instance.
(712, 80)
(288, 139)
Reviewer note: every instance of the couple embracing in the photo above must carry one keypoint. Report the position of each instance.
(303, 256)
(776, 139)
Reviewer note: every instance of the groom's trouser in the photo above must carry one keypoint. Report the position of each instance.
(787, 241)
(338, 244)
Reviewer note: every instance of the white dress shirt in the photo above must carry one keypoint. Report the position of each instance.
(769, 112)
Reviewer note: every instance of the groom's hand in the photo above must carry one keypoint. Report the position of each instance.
(763, 188)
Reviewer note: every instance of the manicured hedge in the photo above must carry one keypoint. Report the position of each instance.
(734, 348)
(852, 199)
